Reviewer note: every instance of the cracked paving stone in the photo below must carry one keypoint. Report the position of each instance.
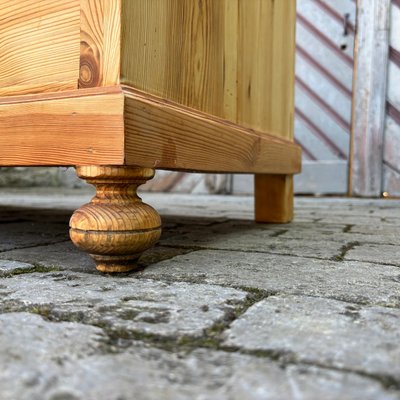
(323, 331)
(122, 303)
(377, 253)
(349, 281)
(52, 361)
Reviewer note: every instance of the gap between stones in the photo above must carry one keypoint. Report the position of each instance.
(344, 250)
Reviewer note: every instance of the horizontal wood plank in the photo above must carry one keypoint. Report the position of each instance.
(165, 135)
(81, 127)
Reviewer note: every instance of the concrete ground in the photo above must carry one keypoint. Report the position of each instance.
(222, 308)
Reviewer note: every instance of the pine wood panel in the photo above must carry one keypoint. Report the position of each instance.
(175, 49)
(78, 127)
(230, 58)
(266, 91)
(100, 43)
(162, 134)
(39, 45)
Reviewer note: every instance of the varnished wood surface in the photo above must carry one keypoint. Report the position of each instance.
(229, 58)
(269, 27)
(116, 226)
(162, 134)
(100, 35)
(67, 128)
(233, 59)
(274, 198)
(39, 45)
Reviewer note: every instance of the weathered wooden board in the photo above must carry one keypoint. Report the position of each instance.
(39, 45)
(369, 101)
(78, 127)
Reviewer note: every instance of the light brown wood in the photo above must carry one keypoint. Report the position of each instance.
(161, 134)
(274, 199)
(39, 45)
(179, 51)
(233, 59)
(66, 128)
(266, 91)
(116, 226)
(100, 33)
(49, 87)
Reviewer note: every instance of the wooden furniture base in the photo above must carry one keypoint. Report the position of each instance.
(122, 87)
(116, 226)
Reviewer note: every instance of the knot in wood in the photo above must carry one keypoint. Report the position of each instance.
(89, 68)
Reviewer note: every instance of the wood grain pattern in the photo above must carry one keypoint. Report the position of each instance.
(39, 41)
(274, 198)
(116, 226)
(161, 134)
(100, 43)
(233, 59)
(179, 51)
(67, 128)
(229, 58)
(266, 91)
(369, 101)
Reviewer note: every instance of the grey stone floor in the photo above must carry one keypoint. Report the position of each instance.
(222, 308)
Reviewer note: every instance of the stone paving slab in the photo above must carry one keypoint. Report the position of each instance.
(199, 321)
(71, 361)
(27, 234)
(323, 331)
(381, 254)
(145, 306)
(361, 283)
(227, 237)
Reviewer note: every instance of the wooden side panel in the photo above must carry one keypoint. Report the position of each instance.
(78, 127)
(175, 49)
(230, 58)
(100, 43)
(233, 59)
(266, 46)
(39, 45)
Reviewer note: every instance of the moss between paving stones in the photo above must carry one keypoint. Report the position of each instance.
(35, 267)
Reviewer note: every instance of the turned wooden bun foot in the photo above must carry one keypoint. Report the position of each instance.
(116, 227)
